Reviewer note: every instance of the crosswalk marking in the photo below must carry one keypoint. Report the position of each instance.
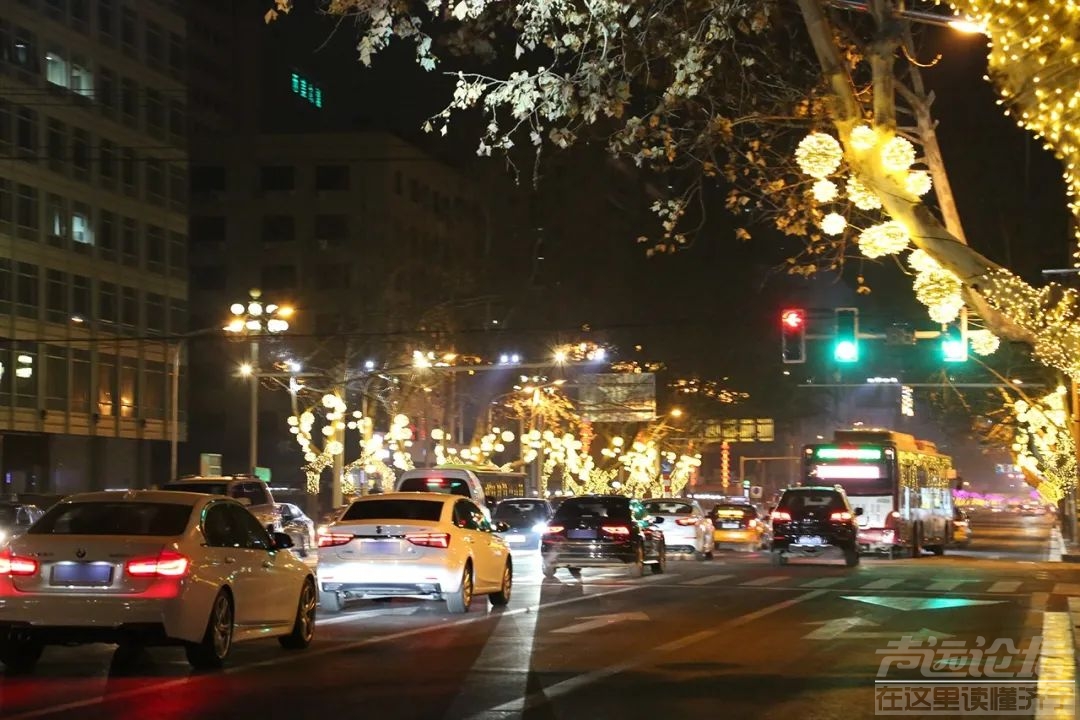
(769, 580)
(1004, 586)
(883, 584)
(946, 585)
(707, 580)
(822, 582)
(1066, 589)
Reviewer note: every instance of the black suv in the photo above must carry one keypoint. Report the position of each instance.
(810, 521)
(601, 531)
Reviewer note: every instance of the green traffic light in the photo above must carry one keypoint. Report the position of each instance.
(954, 350)
(846, 351)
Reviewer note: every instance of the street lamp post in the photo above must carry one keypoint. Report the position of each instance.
(253, 320)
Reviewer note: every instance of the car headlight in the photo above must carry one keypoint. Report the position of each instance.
(540, 527)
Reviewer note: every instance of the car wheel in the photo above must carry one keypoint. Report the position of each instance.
(701, 555)
(575, 572)
(304, 624)
(778, 558)
(661, 561)
(20, 656)
(331, 602)
(637, 567)
(210, 653)
(460, 601)
(851, 556)
(502, 597)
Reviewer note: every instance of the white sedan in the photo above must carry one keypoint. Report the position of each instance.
(412, 544)
(686, 527)
(147, 567)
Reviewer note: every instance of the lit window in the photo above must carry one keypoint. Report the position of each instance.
(56, 69)
(82, 81)
(81, 232)
(306, 89)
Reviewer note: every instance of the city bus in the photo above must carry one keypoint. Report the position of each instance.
(903, 486)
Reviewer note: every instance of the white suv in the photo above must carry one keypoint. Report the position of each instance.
(247, 489)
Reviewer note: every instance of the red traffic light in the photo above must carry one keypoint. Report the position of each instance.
(793, 319)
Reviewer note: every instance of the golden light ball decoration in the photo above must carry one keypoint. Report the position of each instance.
(983, 342)
(898, 154)
(887, 238)
(863, 138)
(1034, 63)
(825, 191)
(833, 224)
(918, 183)
(861, 196)
(819, 155)
(936, 287)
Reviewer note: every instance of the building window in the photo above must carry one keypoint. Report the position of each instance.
(129, 31)
(80, 154)
(106, 18)
(276, 178)
(80, 381)
(26, 290)
(26, 134)
(82, 231)
(7, 286)
(155, 113)
(106, 92)
(107, 405)
(129, 101)
(56, 68)
(107, 302)
(129, 171)
(177, 255)
(55, 10)
(155, 313)
(331, 230)
(107, 163)
(80, 297)
(177, 316)
(278, 228)
(129, 387)
(177, 188)
(207, 229)
(176, 55)
(129, 243)
(208, 179)
(26, 213)
(56, 219)
(24, 361)
(80, 15)
(153, 402)
(129, 307)
(56, 301)
(82, 81)
(278, 278)
(176, 119)
(7, 205)
(24, 53)
(56, 377)
(56, 145)
(155, 46)
(7, 124)
(155, 181)
(331, 177)
(155, 249)
(107, 235)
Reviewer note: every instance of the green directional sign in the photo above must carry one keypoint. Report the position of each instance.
(263, 474)
(913, 603)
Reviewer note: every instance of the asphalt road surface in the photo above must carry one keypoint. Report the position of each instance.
(733, 637)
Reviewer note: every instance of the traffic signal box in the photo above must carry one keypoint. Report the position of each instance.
(793, 335)
(846, 339)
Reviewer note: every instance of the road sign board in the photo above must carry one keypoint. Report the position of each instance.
(263, 473)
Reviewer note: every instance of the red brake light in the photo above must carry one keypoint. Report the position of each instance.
(686, 521)
(334, 539)
(429, 539)
(753, 522)
(17, 565)
(553, 529)
(619, 530)
(842, 516)
(781, 515)
(167, 563)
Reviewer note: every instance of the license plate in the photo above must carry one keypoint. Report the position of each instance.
(380, 547)
(730, 526)
(581, 534)
(810, 540)
(83, 574)
(514, 538)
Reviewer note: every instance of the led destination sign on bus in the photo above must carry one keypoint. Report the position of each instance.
(835, 453)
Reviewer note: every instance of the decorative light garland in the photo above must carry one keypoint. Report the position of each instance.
(1043, 446)
(897, 154)
(825, 191)
(861, 196)
(833, 224)
(888, 238)
(819, 155)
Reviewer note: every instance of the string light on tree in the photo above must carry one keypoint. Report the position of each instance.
(833, 224)
(861, 196)
(983, 342)
(898, 154)
(825, 191)
(918, 183)
(863, 138)
(819, 155)
(888, 238)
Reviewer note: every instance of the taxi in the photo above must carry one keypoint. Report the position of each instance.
(737, 525)
(961, 528)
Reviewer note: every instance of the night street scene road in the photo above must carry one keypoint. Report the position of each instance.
(500, 360)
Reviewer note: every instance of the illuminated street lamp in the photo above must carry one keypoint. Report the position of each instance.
(254, 319)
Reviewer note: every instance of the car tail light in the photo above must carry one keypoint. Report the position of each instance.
(780, 515)
(753, 522)
(553, 529)
(841, 516)
(17, 565)
(686, 521)
(616, 530)
(334, 539)
(167, 563)
(429, 539)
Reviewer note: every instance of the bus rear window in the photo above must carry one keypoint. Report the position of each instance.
(447, 486)
(855, 478)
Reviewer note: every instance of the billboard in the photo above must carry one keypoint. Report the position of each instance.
(618, 397)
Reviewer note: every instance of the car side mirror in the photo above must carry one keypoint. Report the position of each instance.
(858, 511)
(501, 526)
(281, 541)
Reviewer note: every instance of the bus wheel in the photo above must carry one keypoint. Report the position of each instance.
(916, 536)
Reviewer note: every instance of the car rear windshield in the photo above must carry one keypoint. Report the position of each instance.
(114, 518)
(738, 512)
(200, 487)
(512, 512)
(662, 507)
(811, 499)
(612, 507)
(393, 510)
(448, 486)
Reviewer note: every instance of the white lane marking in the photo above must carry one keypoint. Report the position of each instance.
(1004, 586)
(374, 612)
(768, 580)
(1057, 668)
(307, 654)
(822, 582)
(660, 577)
(707, 580)
(946, 585)
(883, 584)
(567, 686)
